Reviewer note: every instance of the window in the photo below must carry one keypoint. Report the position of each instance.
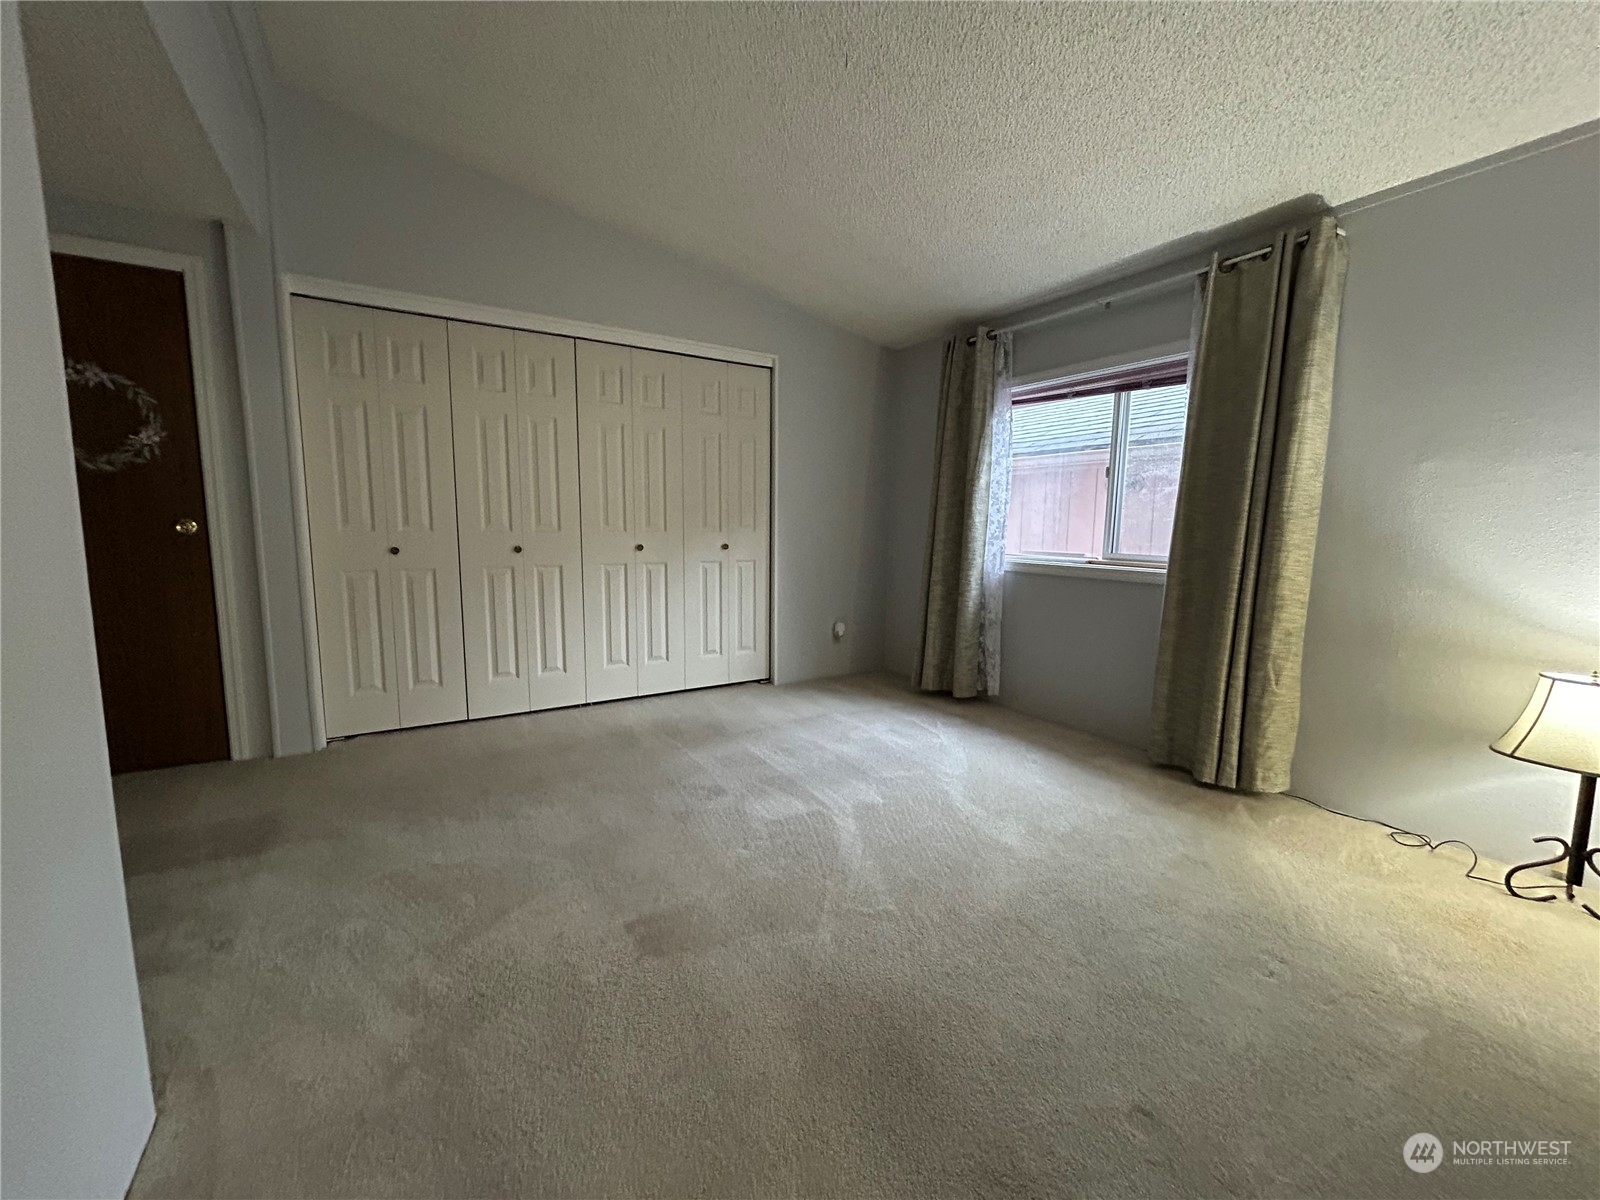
(1094, 464)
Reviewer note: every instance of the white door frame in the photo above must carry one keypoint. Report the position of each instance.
(290, 285)
(215, 471)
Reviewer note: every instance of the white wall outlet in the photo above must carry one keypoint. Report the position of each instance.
(838, 631)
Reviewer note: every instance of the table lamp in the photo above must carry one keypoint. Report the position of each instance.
(1560, 728)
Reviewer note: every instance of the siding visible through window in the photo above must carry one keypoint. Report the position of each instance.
(1095, 463)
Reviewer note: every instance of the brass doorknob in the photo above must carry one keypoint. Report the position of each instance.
(640, 546)
(187, 526)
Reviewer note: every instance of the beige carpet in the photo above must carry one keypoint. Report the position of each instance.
(829, 940)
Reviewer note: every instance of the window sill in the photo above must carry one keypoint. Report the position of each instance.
(1123, 572)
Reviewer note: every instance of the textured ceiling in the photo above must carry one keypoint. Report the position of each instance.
(896, 167)
(113, 122)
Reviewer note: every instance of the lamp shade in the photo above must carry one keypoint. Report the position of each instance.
(1561, 725)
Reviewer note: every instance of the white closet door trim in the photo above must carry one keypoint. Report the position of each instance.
(290, 285)
(748, 493)
(774, 543)
(481, 314)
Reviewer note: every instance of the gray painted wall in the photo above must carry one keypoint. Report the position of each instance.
(1155, 321)
(1460, 542)
(355, 204)
(76, 1083)
(254, 279)
(212, 61)
(1082, 652)
(912, 387)
(200, 43)
(1458, 552)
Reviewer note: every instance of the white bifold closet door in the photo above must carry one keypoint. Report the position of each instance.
(516, 452)
(630, 425)
(726, 547)
(380, 481)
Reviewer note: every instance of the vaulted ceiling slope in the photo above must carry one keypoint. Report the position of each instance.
(896, 167)
(113, 122)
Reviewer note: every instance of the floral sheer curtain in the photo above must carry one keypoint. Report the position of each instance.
(966, 540)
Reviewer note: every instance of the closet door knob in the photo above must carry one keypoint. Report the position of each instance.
(640, 546)
(394, 549)
(724, 545)
(516, 549)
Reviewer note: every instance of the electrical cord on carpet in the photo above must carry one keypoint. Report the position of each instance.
(1418, 841)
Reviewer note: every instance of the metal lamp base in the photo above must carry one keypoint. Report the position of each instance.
(1577, 854)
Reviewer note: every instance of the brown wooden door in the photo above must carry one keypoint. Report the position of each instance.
(130, 386)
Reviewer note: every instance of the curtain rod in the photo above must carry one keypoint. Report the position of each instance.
(1126, 294)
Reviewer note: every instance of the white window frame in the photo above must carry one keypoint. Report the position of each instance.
(1108, 563)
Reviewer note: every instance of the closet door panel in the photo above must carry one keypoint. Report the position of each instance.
(346, 475)
(490, 518)
(555, 635)
(658, 520)
(552, 558)
(422, 629)
(704, 533)
(501, 656)
(615, 612)
(747, 471)
(364, 670)
(505, 520)
(606, 495)
(414, 392)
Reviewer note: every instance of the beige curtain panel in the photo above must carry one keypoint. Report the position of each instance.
(1227, 703)
(967, 535)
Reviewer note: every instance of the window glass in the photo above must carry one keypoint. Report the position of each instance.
(1095, 460)
(1149, 484)
(1060, 450)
